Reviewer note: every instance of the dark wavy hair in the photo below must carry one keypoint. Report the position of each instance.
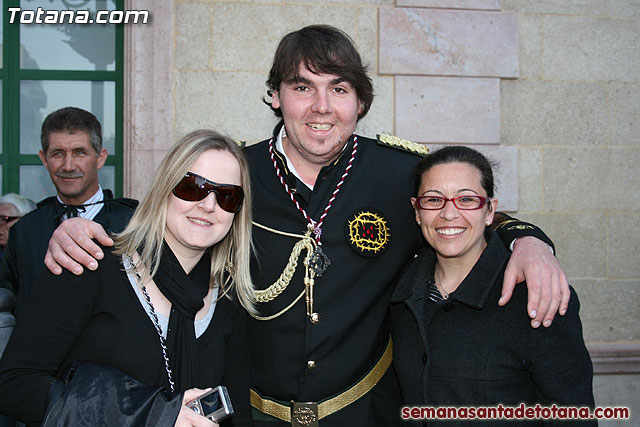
(72, 120)
(456, 154)
(323, 49)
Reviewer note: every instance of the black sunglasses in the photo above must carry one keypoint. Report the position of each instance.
(194, 188)
(4, 219)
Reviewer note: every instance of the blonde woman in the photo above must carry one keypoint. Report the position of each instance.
(166, 306)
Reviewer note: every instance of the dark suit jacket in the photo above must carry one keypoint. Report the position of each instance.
(23, 260)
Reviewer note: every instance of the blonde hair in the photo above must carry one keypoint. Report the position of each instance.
(230, 257)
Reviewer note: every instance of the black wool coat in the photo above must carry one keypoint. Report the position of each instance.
(469, 351)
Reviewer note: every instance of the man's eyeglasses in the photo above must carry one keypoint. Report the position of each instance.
(194, 188)
(465, 203)
(4, 219)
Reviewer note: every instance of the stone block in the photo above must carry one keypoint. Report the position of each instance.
(624, 245)
(379, 119)
(451, 4)
(448, 43)
(617, 390)
(349, 2)
(530, 46)
(250, 47)
(591, 49)
(623, 181)
(609, 309)
(580, 241)
(530, 179)
(193, 36)
(624, 104)
(554, 113)
(146, 164)
(222, 1)
(591, 179)
(626, 8)
(575, 179)
(366, 37)
(448, 109)
(571, 7)
(230, 103)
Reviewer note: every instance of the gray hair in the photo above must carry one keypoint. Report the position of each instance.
(22, 204)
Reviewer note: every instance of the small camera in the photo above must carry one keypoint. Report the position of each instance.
(214, 404)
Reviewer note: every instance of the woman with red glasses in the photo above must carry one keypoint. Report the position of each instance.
(453, 345)
(166, 307)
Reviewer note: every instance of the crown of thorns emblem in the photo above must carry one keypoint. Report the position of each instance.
(369, 232)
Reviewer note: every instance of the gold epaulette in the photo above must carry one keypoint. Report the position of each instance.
(403, 144)
(241, 144)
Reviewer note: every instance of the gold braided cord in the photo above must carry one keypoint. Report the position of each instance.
(281, 312)
(283, 233)
(307, 243)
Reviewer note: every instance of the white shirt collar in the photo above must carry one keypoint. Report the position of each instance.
(90, 212)
(280, 148)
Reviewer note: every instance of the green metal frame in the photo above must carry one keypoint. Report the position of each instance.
(11, 75)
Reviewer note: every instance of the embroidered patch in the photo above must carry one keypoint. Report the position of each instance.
(367, 232)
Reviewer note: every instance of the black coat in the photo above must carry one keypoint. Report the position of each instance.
(98, 317)
(23, 260)
(469, 351)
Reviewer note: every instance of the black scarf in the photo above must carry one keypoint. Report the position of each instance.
(185, 292)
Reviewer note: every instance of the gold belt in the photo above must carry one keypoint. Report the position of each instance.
(328, 406)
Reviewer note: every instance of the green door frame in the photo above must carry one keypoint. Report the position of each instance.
(11, 75)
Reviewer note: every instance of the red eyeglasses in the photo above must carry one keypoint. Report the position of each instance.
(194, 188)
(465, 203)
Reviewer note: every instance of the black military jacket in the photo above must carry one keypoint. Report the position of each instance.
(23, 260)
(368, 235)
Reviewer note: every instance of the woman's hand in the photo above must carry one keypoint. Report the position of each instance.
(187, 416)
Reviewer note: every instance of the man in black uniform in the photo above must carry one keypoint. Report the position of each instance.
(345, 199)
(333, 228)
(72, 152)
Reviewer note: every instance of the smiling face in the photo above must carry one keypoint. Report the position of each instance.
(73, 165)
(454, 233)
(320, 112)
(192, 227)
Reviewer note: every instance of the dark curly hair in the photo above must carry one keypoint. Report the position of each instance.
(323, 49)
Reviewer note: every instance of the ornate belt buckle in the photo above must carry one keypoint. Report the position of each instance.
(304, 414)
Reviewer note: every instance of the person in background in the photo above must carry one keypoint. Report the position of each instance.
(72, 153)
(167, 305)
(12, 207)
(454, 346)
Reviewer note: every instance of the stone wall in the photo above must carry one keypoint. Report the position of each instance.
(573, 114)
